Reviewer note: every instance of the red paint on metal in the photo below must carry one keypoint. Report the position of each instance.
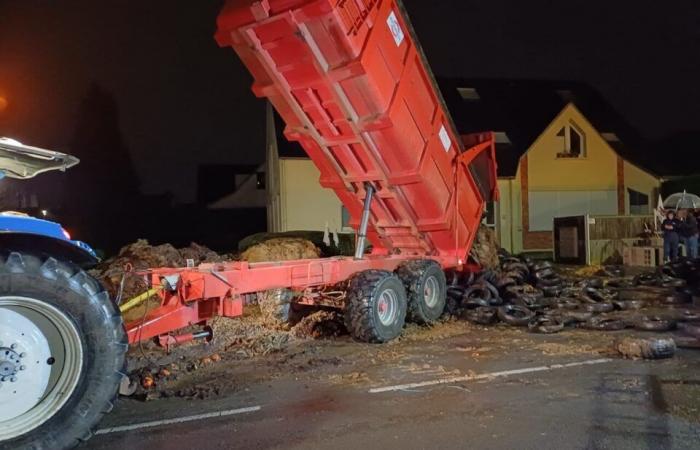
(349, 79)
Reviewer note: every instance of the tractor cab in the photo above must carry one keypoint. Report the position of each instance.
(18, 230)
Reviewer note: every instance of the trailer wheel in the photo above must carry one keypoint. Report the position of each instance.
(276, 306)
(62, 348)
(375, 308)
(426, 288)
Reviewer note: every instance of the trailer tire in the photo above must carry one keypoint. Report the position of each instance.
(647, 348)
(365, 317)
(426, 288)
(276, 306)
(84, 330)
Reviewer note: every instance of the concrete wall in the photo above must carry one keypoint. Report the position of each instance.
(305, 205)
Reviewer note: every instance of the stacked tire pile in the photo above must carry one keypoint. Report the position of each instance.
(530, 294)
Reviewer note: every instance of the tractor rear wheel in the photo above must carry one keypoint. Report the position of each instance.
(375, 308)
(426, 287)
(62, 347)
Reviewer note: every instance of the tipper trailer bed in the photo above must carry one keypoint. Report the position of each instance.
(352, 84)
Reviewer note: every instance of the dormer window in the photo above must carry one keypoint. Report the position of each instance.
(469, 94)
(572, 142)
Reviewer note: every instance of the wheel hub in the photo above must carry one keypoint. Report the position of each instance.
(40, 363)
(10, 363)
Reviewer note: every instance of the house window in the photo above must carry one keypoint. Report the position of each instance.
(573, 142)
(469, 94)
(260, 181)
(639, 203)
(345, 217)
(489, 218)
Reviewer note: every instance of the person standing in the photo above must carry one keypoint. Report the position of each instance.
(689, 233)
(670, 226)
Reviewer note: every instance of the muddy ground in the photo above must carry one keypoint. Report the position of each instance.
(319, 349)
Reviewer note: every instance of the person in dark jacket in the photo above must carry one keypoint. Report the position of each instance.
(671, 239)
(689, 232)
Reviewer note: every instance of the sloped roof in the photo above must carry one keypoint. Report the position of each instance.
(524, 108)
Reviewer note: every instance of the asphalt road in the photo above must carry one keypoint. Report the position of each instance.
(612, 403)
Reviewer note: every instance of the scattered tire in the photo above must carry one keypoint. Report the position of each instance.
(647, 348)
(689, 328)
(598, 308)
(688, 316)
(687, 342)
(276, 306)
(84, 337)
(518, 316)
(483, 315)
(568, 303)
(375, 308)
(626, 305)
(678, 298)
(546, 325)
(604, 324)
(655, 323)
(426, 288)
(551, 291)
(476, 302)
(577, 316)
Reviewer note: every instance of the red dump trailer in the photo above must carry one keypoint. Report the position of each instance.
(352, 84)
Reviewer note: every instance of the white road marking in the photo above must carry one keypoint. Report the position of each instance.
(484, 376)
(157, 423)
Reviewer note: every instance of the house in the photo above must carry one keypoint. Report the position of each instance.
(231, 186)
(562, 150)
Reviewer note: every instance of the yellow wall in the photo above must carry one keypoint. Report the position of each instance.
(509, 226)
(305, 205)
(595, 171)
(641, 181)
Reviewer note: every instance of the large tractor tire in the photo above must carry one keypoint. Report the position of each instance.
(426, 287)
(375, 308)
(62, 351)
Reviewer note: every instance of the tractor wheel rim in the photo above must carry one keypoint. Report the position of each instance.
(41, 356)
(388, 307)
(431, 292)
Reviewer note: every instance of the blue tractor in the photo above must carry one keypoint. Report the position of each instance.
(62, 340)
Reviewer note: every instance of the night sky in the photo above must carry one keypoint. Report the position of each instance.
(183, 101)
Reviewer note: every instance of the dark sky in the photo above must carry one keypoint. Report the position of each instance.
(183, 101)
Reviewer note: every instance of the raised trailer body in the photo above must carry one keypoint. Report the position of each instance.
(351, 82)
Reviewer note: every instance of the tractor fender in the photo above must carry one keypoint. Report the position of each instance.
(42, 245)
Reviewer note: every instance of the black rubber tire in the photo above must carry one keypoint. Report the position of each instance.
(577, 315)
(653, 323)
(626, 305)
(518, 316)
(546, 325)
(97, 319)
(552, 291)
(600, 323)
(276, 306)
(361, 311)
(483, 315)
(414, 275)
(598, 308)
(649, 348)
